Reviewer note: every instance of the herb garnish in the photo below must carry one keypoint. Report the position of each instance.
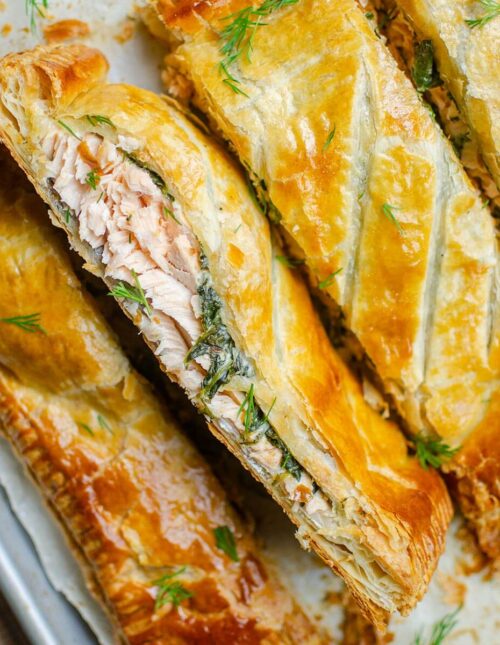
(66, 127)
(171, 590)
(224, 540)
(93, 178)
(216, 342)
(289, 262)
(170, 213)
(87, 428)
(433, 451)
(248, 405)
(29, 323)
(67, 215)
(127, 291)
(34, 8)
(237, 36)
(329, 138)
(387, 210)
(97, 119)
(104, 424)
(492, 11)
(328, 281)
(440, 630)
(424, 72)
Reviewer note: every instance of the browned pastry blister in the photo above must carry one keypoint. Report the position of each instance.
(163, 214)
(370, 194)
(136, 499)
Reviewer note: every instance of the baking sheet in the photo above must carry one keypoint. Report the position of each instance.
(38, 574)
(42, 604)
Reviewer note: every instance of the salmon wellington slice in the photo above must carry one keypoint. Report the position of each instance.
(371, 196)
(162, 213)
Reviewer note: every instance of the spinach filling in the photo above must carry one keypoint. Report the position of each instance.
(288, 462)
(157, 180)
(260, 197)
(226, 360)
(424, 72)
(257, 426)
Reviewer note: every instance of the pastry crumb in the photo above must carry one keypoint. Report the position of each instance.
(127, 30)
(454, 592)
(333, 597)
(63, 30)
(472, 559)
(6, 29)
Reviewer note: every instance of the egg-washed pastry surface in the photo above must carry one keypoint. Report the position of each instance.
(370, 193)
(417, 56)
(143, 511)
(465, 35)
(162, 213)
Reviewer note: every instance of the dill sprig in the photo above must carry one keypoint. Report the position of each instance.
(93, 178)
(224, 540)
(170, 590)
(127, 291)
(254, 419)
(433, 452)
(35, 8)
(238, 34)
(329, 138)
(440, 630)
(68, 129)
(97, 119)
(329, 280)
(104, 424)
(87, 428)
(29, 323)
(492, 11)
(251, 411)
(388, 211)
(168, 212)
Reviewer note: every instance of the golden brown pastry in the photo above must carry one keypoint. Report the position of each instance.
(136, 499)
(465, 36)
(475, 477)
(368, 190)
(162, 213)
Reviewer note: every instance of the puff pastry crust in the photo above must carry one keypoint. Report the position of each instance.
(468, 59)
(384, 207)
(286, 406)
(136, 499)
